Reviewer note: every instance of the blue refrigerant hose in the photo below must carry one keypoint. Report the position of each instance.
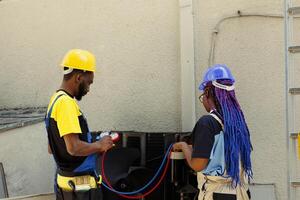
(149, 183)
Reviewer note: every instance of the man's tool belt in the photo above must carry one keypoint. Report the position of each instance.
(70, 181)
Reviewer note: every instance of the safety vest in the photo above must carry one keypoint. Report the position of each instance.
(84, 177)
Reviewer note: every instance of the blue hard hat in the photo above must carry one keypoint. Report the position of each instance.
(214, 73)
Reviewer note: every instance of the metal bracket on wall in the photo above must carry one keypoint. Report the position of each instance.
(294, 10)
(294, 91)
(295, 183)
(294, 49)
(294, 135)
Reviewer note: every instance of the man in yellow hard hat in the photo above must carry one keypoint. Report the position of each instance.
(70, 141)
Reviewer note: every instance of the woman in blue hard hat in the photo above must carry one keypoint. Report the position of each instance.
(221, 147)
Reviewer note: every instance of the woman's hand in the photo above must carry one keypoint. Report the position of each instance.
(178, 146)
(197, 164)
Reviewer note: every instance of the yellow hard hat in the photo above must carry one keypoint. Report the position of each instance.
(79, 59)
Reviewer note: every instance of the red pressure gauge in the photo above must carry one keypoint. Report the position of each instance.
(114, 135)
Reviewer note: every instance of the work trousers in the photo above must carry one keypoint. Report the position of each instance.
(92, 194)
(220, 188)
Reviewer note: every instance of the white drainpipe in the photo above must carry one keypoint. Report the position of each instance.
(188, 112)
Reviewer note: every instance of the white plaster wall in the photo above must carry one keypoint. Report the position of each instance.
(136, 43)
(29, 169)
(254, 49)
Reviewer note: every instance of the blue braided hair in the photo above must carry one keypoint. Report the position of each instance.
(236, 133)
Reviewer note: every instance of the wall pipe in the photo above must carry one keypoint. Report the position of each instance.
(216, 30)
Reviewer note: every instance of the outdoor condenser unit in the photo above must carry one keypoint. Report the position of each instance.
(153, 147)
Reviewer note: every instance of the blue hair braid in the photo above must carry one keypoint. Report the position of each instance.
(236, 135)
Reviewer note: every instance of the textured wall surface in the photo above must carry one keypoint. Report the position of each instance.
(29, 169)
(254, 49)
(136, 43)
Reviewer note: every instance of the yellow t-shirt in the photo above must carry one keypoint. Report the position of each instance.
(66, 118)
(65, 112)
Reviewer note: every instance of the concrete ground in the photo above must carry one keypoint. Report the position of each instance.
(49, 196)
